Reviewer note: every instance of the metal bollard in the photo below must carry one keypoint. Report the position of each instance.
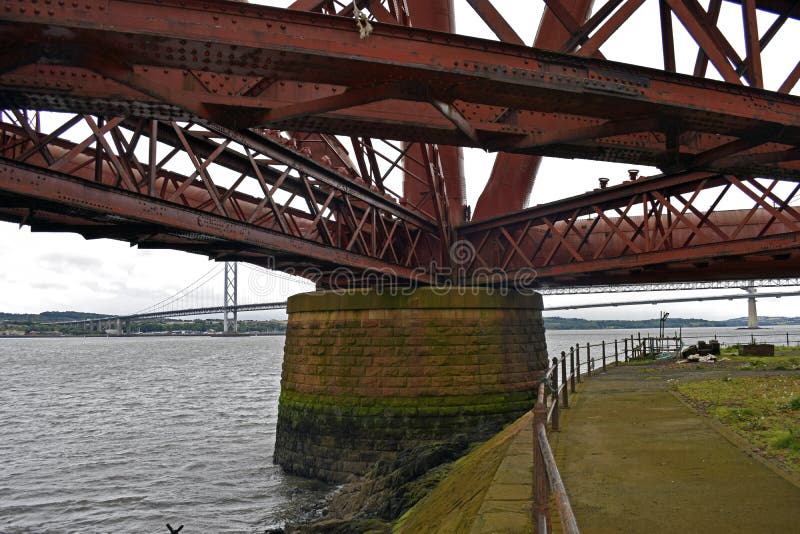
(604, 355)
(554, 389)
(565, 392)
(572, 369)
(588, 359)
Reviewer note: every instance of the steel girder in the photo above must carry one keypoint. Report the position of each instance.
(305, 213)
(646, 230)
(399, 83)
(230, 65)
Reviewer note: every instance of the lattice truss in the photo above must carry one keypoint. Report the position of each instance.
(260, 179)
(324, 135)
(677, 227)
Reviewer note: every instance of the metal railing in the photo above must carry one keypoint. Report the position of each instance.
(545, 471)
(787, 339)
(547, 483)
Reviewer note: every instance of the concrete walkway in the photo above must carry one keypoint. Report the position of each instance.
(634, 458)
(507, 503)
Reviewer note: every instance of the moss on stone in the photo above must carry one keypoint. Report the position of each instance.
(453, 505)
(492, 402)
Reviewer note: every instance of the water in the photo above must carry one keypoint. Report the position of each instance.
(127, 434)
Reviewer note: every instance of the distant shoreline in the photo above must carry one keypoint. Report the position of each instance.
(42, 325)
(140, 336)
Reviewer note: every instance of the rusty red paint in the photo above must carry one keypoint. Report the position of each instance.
(302, 79)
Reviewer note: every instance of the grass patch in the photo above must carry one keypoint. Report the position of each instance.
(764, 410)
(789, 440)
(639, 361)
(785, 359)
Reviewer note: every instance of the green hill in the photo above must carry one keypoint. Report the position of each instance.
(571, 323)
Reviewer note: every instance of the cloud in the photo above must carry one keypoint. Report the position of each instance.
(48, 285)
(65, 262)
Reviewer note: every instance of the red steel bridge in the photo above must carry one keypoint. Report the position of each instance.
(327, 135)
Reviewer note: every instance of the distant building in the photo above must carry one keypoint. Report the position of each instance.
(12, 332)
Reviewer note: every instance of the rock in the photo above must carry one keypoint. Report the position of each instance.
(388, 490)
(692, 349)
(392, 487)
(343, 526)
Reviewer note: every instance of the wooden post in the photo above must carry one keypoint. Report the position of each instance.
(787, 339)
(572, 369)
(633, 349)
(578, 361)
(554, 390)
(588, 359)
(541, 486)
(616, 353)
(626, 348)
(565, 393)
(604, 355)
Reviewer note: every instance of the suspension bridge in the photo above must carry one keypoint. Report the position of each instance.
(217, 291)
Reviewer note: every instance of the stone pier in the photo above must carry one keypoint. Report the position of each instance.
(366, 375)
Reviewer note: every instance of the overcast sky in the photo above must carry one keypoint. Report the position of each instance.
(63, 271)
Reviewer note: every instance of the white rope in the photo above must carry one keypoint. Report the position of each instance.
(364, 27)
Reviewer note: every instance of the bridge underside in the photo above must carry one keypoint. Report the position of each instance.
(278, 137)
(545, 245)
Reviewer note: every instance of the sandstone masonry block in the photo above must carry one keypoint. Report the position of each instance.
(367, 375)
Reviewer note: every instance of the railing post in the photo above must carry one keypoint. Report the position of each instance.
(604, 355)
(578, 361)
(625, 340)
(554, 392)
(565, 393)
(616, 353)
(588, 359)
(787, 339)
(540, 509)
(572, 369)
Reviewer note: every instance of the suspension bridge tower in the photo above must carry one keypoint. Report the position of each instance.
(752, 314)
(230, 295)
